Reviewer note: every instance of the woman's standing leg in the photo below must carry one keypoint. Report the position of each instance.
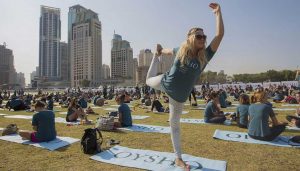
(175, 112)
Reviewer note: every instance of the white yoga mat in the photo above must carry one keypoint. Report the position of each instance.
(284, 109)
(292, 128)
(294, 105)
(155, 160)
(1, 129)
(96, 107)
(2, 114)
(1, 109)
(183, 112)
(200, 121)
(111, 109)
(18, 116)
(139, 117)
(281, 141)
(148, 128)
(51, 145)
(63, 113)
(63, 120)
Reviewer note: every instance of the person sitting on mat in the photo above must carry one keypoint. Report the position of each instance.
(75, 112)
(82, 102)
(212, 111)
(242, 111)
(124, 113)
(43, 124)
(50, 103)
(157, 105)
(259, 114)
(193, 93)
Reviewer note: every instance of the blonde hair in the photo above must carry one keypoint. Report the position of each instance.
(259, 96)
(186, 49)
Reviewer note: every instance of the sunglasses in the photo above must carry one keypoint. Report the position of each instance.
(199, 37)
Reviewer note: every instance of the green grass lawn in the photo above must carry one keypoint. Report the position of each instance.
(197, 140)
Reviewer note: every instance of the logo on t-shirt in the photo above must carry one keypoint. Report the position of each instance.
(193, 65)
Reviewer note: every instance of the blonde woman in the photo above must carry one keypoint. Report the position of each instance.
(191, 59)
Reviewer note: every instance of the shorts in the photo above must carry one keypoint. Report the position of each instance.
(33, 137)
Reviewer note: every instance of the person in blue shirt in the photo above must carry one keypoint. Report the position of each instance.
(50, 103)
(82, 102)
(191, 59)
(242, 111)
(43, 124)
(259, 114)
(212, 113)
(222, 98)
(124, 113)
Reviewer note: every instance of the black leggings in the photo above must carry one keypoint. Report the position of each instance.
(194, 96)
(217, 119)
(275, 132)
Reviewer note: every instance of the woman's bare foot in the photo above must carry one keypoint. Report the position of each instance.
(179, 162)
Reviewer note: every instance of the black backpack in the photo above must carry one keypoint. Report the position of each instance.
(90, 143)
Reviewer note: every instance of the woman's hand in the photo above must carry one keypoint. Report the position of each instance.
(216, 7)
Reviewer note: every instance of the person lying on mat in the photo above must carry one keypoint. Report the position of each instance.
(124, 113)
(75, 112)
(294, 120)
(212, 113)
(242, 111)
(157, 105)
(43, 124)
(259, 114)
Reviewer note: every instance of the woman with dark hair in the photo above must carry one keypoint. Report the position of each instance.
(212, 113)
(43, 124)
(242, 111)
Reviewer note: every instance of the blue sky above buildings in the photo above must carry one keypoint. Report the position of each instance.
(259, 34)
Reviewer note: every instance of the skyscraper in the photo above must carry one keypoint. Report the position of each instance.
(121, 58)
(135, 67)
(65, 62)
(7, 69)
(145, 57)
(85, 46)
(105, 71)
(166, 63)
(49, 61)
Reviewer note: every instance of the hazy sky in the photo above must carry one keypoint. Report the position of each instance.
(259, 34)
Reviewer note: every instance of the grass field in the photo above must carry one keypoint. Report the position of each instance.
(196, 140)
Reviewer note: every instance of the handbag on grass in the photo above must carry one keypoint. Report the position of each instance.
(10, 129)
(105, 123)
